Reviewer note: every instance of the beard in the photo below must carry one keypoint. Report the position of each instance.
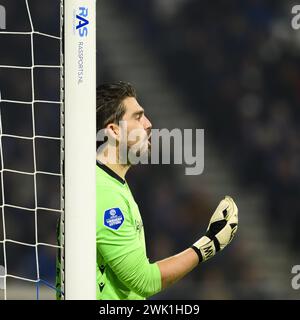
(136, 153)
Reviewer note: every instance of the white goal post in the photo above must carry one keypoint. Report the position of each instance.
(79, 83)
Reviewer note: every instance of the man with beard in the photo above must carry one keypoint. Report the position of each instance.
(123, 269)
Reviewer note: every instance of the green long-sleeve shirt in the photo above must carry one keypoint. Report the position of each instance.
(123, 269)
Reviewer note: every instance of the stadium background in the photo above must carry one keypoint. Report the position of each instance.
(230, 67)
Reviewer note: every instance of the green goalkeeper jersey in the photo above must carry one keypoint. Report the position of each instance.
(123, 269)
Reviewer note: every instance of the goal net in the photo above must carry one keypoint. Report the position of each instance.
(47, 145)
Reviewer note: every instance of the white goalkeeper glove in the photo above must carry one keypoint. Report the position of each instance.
(221, 230)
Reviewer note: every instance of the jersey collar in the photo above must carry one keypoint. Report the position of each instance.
(109, 171)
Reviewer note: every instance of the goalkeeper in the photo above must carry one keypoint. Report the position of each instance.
(123, 269)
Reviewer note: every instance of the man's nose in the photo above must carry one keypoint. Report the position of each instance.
(147, 124)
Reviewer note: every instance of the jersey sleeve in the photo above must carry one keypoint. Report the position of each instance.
(116, 234)
(119, 245)
(135, 271)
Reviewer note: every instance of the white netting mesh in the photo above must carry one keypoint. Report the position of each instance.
(31, 116)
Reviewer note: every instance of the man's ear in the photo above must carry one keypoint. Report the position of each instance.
(113, 130)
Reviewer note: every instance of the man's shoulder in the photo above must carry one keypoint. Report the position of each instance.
(104, 179)
(113, 208)
(109, 193)
(105, 192)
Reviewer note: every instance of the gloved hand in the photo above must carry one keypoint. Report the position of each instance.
(220, 232)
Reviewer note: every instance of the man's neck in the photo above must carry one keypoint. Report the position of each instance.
(119, 169)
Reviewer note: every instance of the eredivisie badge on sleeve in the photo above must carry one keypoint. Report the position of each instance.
(113, 218)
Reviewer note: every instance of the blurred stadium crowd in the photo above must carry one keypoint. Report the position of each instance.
(233, 61)
(237, 63)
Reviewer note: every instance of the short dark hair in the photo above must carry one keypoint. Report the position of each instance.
(109, 102)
